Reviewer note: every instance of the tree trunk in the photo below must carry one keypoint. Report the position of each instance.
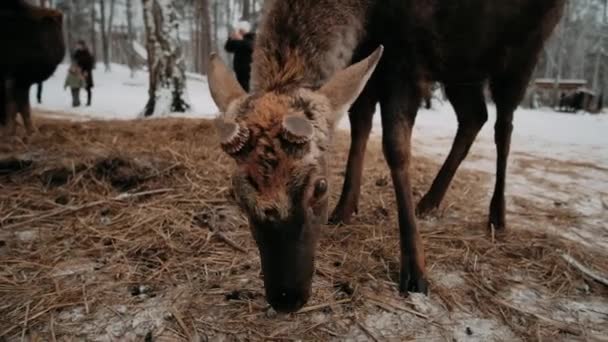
(216, 24)
(93, 30)
(195, 39)
(104, 35)
(109, 33)
(167, 89)
(130, 37)
(596, 68)
(246, 10)
(204, 36)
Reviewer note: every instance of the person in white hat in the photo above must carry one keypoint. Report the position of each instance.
(240, 43)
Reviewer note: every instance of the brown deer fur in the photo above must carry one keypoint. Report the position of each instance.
(33, 46)
(301, 52)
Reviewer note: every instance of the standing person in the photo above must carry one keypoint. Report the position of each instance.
(241, 44)
(86, 61)
(74, 80)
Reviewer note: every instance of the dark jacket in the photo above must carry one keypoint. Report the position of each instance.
(86, 62)
(243, 50)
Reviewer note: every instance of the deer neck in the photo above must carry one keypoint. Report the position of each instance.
(303, 43)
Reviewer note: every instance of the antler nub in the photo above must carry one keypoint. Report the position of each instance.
(297, 129)
(233, 136)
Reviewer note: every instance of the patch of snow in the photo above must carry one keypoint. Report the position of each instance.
(586, 310)
(117, 96)
(73, 267)
(26, 235)
(148, 320)
(541, 131)
(473, 329)
(522, 295)
(448, 280)
(448, 326)
(119, 322)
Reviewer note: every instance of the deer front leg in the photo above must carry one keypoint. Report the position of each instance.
(23, 103)
(10, 108)
(24, 107)
(361, 115)
(397, 120)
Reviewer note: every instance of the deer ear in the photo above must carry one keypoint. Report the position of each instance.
(346, 85)
(223, 85)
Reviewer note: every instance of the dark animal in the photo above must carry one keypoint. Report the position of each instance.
(33, 45)
(580, 100)
(243, 51)
(280, 133)
(572, 103)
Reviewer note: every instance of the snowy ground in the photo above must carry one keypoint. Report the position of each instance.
(565, 152)
(545, 132)
(116, 95)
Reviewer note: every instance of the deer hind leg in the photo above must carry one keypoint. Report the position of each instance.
(508, 89)
(398, 114)
(471, 110)
(361, 115)
(24, 107)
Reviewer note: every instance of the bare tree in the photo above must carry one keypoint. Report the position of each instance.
(109, 31)
(130, 36)
(93, 38)
(105, 48)
(166, 66)
(204, 36)
(579, 47)
(246, 10)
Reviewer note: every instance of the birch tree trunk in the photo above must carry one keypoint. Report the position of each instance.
(166, 66)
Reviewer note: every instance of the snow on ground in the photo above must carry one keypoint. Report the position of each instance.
(116, 95)
(565, 153)
(555, 135)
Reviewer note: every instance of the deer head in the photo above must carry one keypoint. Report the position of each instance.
(280, 141)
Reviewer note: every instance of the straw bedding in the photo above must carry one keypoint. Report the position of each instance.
(127, 231)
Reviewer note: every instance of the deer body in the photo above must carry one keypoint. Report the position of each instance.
(302, 83)
(33, 43)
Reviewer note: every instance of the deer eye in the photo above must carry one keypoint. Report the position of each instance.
(320, 188)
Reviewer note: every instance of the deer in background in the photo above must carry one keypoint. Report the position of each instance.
(280, 132)
(33, 45)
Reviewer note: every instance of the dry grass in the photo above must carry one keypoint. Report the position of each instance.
(128, 229)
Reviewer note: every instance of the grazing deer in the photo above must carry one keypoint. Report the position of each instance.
(280, 133)
(33, 45)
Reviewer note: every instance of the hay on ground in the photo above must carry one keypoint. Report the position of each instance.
(127, 231)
